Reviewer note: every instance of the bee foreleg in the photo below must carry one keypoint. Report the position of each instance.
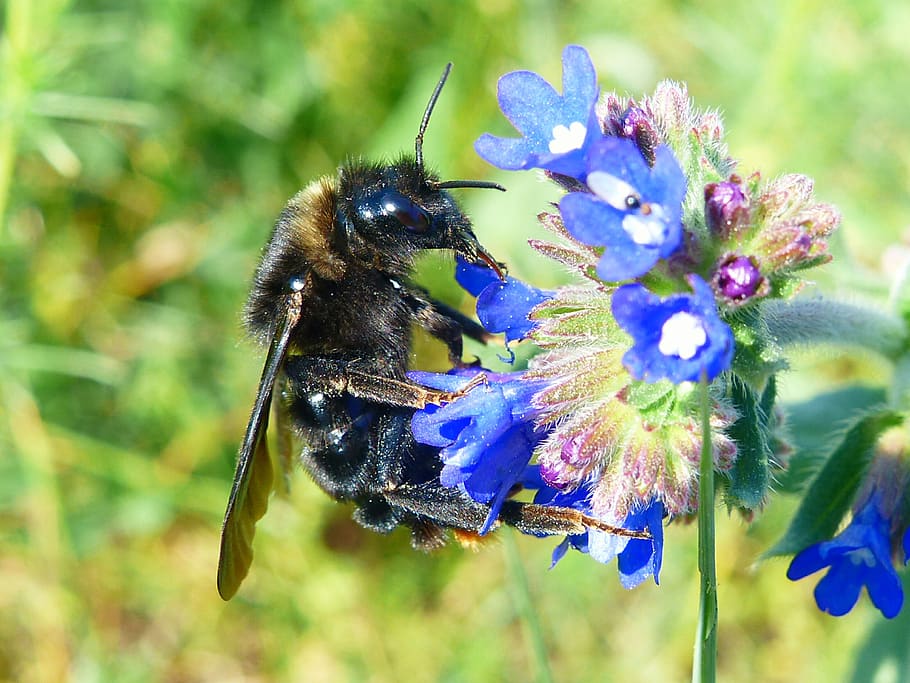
(446, 323)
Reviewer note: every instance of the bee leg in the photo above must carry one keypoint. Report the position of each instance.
(549, 520)
(446, 324)
(336, 376)
(449, 507)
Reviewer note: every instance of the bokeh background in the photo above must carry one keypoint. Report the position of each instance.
(145, 151)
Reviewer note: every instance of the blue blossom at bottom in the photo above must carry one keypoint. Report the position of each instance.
(675, 338)
(486, 438)
(858, 556)
(637, 559)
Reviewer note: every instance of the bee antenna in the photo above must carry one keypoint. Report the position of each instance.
(418, 143)
(482, 184)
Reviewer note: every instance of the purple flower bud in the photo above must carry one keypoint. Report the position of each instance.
(737, 278)
(636, 125)
(726, 207)
(553, 477)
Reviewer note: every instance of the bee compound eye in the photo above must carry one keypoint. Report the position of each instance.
(408, 213)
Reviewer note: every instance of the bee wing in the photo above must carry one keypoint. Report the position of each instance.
(282, 429)
(254, 476)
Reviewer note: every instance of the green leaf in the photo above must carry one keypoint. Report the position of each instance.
(832, 491)
(750, 476)
(809, 428)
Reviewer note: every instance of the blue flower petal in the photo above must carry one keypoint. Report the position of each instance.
(634, 210)
(675, 338)
(486, 438)
(806, 562)
(559, 552)
(838, 591)
(451, 381)
(473, 277)
(641, 558)
(556, 129)
(885, 591)
(502, 305)
(858, 556)
(638, 559)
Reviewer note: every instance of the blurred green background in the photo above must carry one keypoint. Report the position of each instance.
(146, 148)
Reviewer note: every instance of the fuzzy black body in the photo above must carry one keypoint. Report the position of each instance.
(332, 299)
(359, 320)
(358, 309)
(333, 303)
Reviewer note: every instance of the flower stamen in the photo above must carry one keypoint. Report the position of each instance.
(682, 335)
(568, 138)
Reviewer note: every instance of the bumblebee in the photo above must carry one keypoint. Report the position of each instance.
(333, 301)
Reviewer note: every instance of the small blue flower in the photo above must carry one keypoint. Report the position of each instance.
(637, 559)
(557, 129)
(486, 437)
(502, 305)
(906, 544)
(858, 556)
(635, 210)
(674, 338)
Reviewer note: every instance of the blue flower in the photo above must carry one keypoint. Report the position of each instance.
(486, 437)
(858, 556)
(906, 544)
(635, 210)
(557, 129)
(502, 305)
(637, 559)
(674, 338)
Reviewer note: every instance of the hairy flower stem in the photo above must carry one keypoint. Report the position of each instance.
(819, 321)
(704, 668)
(525, 606)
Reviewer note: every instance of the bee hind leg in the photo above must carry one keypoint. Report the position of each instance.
(451, 508)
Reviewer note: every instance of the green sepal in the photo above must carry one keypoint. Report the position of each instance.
(757, 357)
(654, 400)
(750, 476)
(834, 488)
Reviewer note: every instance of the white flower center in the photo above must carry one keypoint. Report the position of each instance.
(565, 139)
(648, 230)
(862, 557)
(682, 335)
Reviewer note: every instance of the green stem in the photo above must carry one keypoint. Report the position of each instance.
(704, 668)
(526, 610)
(819, 321)
(14, 53)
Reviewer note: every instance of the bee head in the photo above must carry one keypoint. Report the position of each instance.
(389, 213)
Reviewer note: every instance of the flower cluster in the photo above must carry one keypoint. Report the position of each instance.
(676, 255)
